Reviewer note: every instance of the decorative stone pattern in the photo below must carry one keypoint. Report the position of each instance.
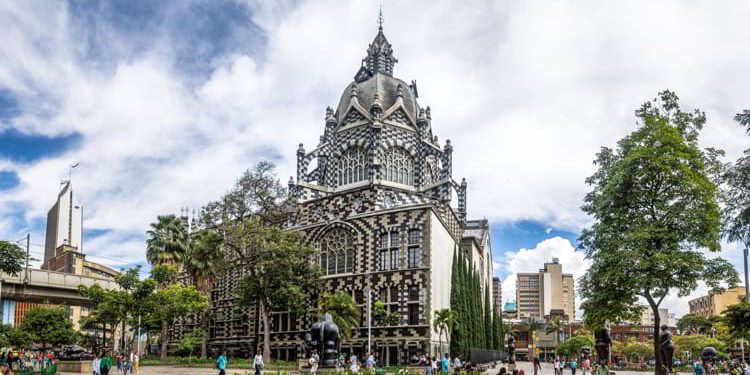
(382, 219)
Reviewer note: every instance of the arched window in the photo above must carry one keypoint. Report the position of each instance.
(398, 166)
(337, 252)
(352, 166)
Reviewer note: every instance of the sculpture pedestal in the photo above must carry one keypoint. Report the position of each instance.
(510, 367)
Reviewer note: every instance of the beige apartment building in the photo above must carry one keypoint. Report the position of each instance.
(715, 303)
(547, 292)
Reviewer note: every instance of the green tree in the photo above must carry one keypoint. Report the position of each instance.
(382, 316)
(654, 206)
(572, 347)
(555, 327)
(737, 198)
(636, 351)
(190, 342)
(737, 318)
(204, 262)
(344, 311)
(171, 302)
(694, 324)
(251, 218)
(488, 326)
(14, 336)
(443, 322)
(167, 241)
(280, 272)
(12, 258)
(48, 325)
(695, 344)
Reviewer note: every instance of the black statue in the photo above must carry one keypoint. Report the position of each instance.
(603, 341)
(666, 348)
(324, 337)
(511, 349)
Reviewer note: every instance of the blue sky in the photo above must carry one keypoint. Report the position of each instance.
(163, 104)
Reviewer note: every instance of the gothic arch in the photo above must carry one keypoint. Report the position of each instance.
(352, 166)
(398, 166)
(337, 246)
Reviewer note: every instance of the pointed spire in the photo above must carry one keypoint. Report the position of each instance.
(380, 19)
(380, 57)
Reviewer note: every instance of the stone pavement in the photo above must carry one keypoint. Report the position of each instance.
(172, 370)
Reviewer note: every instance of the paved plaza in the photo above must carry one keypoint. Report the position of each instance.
(173, 370)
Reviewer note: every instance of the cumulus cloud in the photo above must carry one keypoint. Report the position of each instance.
(527, 92)
(531, 260)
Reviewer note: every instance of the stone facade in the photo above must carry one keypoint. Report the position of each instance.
(374, 197)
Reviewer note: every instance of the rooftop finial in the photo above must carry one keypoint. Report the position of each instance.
(380, 19)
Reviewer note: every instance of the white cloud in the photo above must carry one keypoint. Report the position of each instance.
(527, 92)
(531, 260)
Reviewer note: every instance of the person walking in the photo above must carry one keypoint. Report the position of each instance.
(456, 365)
(444, 364)
(585, 365)
(573, 366)
(313, 361)
(258, 363)
(537, 366)
(95, 365)
(105, 363)
(557, 366)
(221, 363)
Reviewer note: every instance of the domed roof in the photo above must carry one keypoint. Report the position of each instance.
(387, 89)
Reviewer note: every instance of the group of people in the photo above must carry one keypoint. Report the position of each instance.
(559, 364)
(103, 363)
(433, 365)
(26, 360)
(222, 362)
(709, 367)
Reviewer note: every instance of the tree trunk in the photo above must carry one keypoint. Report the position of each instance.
(123, 345)
(204, 341)
(657, 322)
(104, 336)
(164, 340)
(266, 333)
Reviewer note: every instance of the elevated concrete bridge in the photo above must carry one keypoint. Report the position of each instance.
(47, 286)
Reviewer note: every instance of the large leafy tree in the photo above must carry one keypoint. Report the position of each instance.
(573, 346)
(443, 322)
(344, 311)
(172, 302)
(655, 210)
(48, 325)
(737, 318)
(694, 324)
(737, 202)
(250, 218)
(12, 258)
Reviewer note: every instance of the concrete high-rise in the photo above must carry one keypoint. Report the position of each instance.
(549, 292)
(497, 295)
(64, 223)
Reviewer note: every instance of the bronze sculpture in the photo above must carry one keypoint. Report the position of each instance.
(324, 337)
(603, 342)
(511, 349)
(666, 349)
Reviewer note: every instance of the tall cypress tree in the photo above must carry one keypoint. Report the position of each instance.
(488, 327)
(456, 334)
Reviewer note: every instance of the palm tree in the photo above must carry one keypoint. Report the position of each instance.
(344, 311)
(167, 241)
(443, 322)
(166, 245)
(555, 326)
(532, 325)
(204, 262)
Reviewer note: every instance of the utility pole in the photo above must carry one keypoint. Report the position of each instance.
(28, 242)
(369, 317)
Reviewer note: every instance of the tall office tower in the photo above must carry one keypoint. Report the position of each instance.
(547, 293)
(497, 295)
(64, 224)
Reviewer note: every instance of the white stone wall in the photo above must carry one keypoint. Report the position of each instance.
(442, 246)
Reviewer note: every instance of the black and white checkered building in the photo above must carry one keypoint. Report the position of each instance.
(374, 197)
